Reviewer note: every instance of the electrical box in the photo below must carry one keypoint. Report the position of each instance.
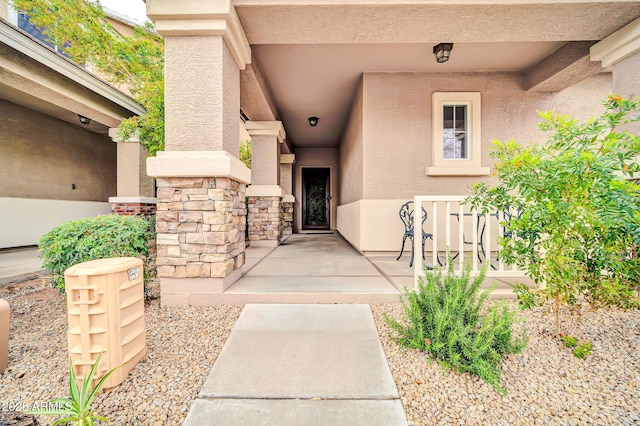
(105, 300)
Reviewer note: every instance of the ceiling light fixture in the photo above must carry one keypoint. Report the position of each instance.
(442, 51)
(84, 120)
(313, 121)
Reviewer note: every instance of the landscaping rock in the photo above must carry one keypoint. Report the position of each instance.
(182, 345)
(546, 384)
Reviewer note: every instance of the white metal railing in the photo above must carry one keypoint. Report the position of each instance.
(467, 234)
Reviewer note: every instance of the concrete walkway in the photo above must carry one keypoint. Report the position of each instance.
(19, 264)
(300, 365)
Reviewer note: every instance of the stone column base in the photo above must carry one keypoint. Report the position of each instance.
(133, 206)
(201, 224)
(287, 217)
(264, 220)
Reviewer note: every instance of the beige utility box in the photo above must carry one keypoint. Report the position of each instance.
(4, 334)
(105, 300)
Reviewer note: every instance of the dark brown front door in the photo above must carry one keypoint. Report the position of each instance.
(316, 198)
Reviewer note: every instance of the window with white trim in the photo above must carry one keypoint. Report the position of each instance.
(456, 135)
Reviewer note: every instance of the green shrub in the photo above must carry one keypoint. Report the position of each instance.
(569, 341)
(446, 316)
(582, 350)
(92, 238)
(579, 227)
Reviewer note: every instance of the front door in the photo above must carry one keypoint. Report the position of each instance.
(316, 198)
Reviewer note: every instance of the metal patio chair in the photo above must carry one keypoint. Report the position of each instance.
(406, 215)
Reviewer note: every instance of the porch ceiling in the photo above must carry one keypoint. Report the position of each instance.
(313, 52)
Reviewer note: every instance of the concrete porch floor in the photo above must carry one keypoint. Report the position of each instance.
(310, 268)
(325, 268)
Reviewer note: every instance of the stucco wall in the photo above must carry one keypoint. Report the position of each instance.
(42, 157)
(626, 83)
(204, 97)
(397, 124)
(4, 9)
(316, 157)
(351, 151)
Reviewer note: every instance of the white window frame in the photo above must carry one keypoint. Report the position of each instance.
(470, 166)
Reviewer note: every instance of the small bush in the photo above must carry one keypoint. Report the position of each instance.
(92, 238)
(447, 318)
(582, 350)
(569, 341)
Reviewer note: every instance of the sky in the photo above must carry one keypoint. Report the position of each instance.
(134, 9)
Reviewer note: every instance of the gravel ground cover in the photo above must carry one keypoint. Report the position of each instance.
(182, 345)
(546, 384)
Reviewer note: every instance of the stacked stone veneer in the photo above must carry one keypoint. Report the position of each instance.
(201, 227)
(134, 209)
(287, 218)
(265, 219)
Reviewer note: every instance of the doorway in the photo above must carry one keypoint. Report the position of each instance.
(316, 197)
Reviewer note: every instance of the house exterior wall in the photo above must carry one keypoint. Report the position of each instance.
(626, 83)
(41, 158)
(397, 124)
(316, 157)
(351, 153)
(4, 9)
(397, 139)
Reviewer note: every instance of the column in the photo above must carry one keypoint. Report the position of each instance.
(135, 189)
(265, 194)
(201, 182)
(621, 52)
(288, 201)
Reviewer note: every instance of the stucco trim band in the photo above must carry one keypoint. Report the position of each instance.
(218, 18)
(618, 46)
(145, 200)
(288, 199)
(198, 164)
(266, 128)
(113, 134)
(462, 171)
(264, 191)
(287, 158)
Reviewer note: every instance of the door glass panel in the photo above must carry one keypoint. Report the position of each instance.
(315, 185)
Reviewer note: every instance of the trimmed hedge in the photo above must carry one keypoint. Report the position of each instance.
(93, 238)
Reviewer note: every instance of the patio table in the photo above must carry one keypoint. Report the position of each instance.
(481, 226)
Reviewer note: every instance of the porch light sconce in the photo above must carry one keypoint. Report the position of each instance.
(84, 120)
(442, 51)
(313, 121)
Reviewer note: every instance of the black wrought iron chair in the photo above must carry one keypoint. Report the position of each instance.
(406, 215)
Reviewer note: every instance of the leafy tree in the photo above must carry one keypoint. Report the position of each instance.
(134, 63)
(579, 226)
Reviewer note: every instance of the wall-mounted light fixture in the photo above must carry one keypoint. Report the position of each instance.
(313, 121)
(442, 51)
(84, 120)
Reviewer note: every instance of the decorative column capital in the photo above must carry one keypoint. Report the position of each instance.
(202, 17)
(113, 134)
(266, 128)
(618, 46)
(287, 158)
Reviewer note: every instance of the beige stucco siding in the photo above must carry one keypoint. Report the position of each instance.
(351, 164)
(42, 157)
(397, 124)
(316, 157)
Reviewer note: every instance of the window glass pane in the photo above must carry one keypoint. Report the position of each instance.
(461, 145)
(461, 117)
(454, 132)
(448, 143)
(447, 117)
